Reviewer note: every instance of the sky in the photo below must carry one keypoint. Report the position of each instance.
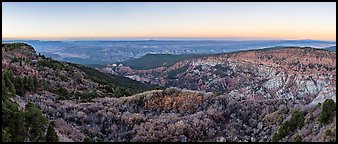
(151, 20)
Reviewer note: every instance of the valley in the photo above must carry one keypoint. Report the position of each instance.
(279, 94)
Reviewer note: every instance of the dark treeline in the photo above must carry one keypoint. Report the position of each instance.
(28, 124)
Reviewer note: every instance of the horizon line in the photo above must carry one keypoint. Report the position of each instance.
(158, 38)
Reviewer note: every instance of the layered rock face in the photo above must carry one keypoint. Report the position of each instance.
(302, 74)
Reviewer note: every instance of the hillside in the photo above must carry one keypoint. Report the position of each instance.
(151, 61)
(332, 48)
(301, 77)
(297, 73)
(186, 116)
(22, 60)
(25, 73)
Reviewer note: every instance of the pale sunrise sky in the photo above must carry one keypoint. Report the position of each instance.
(169, 20)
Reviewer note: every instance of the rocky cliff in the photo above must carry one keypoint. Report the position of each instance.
(304, 74)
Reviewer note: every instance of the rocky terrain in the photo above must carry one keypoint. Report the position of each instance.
(253, 96)
(302, 74)
(179, 115)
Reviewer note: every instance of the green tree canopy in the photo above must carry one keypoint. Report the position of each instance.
(328, 108)
(51, 135)
(36, 122)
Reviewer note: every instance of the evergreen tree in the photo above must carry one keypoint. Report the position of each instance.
(35, 82)
(5, 90)
(51, 135)
(109, 88)
(12, 90)
(19, 86)
(7, 75)
(20, 129)
(6, 136)
(298, 138)
(328, 108)
(26, 83)
(63, 93)
(13, 119)
(118, 92)
(10, 75)
(36, 122)
(21, 62)
(31, 84)
(87, 139)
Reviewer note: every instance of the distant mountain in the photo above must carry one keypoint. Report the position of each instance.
(106, 52)
(332, 48)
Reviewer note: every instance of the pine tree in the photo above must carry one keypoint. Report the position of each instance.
(118, 92)
(31, 84)
(13, 119)
(20, 129)
(10, 75)
(35, 82)
(6, 136)
(11, 88)
(26, 82)
(328, 108)
(36, 122)
(21, 62)
(7, 75)
(51, 135)
(19, 86)
(87, 139)
(4, 90)
(298, 138)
